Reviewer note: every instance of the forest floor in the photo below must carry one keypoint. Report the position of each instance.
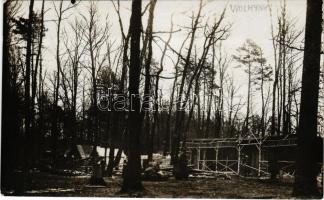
(44, 184)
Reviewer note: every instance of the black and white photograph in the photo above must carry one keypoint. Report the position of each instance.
(194, 99)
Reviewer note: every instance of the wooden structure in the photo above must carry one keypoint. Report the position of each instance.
(247, 156)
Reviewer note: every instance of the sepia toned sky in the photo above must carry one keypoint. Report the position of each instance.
(248, 18)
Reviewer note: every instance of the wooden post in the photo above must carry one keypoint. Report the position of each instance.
(105, 155)
(203, 163)
(198, 157)
(238, 158)
(216, 158)
(259, 164)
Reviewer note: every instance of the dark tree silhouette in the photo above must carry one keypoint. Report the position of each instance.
(10, 102)
(27, 78)
(132, 172)
(306, 169)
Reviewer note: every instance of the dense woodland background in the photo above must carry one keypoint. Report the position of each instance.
(48, 110)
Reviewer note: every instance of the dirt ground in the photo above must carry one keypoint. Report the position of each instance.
(53, 185)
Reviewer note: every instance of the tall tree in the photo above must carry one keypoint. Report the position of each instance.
(120, 115)
(96, 38)
(176, 133)
(263, 74)
(222, 62)
(10, 123)
(36, 137)
(306, 169)
(75, 46)
(156, 109)
(212, 34)
(59, 12)
(248, 54)
(54, 128)
(147, 65)
(132, 172)
(27, 79)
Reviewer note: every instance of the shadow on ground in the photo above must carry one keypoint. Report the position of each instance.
(43, 184)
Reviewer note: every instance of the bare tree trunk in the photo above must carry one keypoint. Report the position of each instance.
(28, 116)
(263, 103)
(284, 52)
(156, 103)
(147, 87)
(54, 128)
(178, 121)
(94, 87)
(34, 85)
(12, 148)
(110, 166)
(168, 135)
(306, 166)
(263, 106)
(41, 107)
(247, 117)
(274, 87)
(212, 87)
(209, 41)
(122, 83)
(132, 172)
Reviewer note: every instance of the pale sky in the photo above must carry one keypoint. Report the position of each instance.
(249, 19)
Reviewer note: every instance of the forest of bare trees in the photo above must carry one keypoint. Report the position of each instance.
(124, 85)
